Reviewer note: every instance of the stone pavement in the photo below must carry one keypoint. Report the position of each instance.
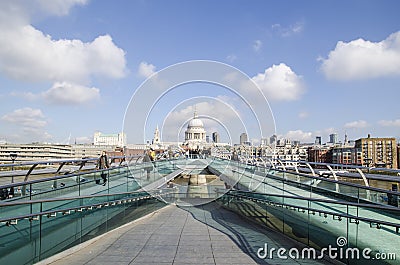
(205, 234)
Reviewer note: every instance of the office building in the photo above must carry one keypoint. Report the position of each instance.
(346, 155)
(333, 138)
(273, 139)
(215, 137)
(243, 138)
(378, 152)
(318, 140)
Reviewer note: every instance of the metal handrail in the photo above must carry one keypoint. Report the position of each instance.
(374, 206)
(59, 177)
(45, 162)
(355, 185)
(342, 165)
(393, 170)
(56, 177)
(324, 179)
(313, 210)
(146, 195)
(24, 184)
(5, 204)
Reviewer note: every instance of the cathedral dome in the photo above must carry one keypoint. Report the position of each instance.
(195, 122)
(195, 135)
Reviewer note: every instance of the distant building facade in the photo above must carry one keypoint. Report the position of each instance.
(333, 138)
(243, 138)
(318, 154)
(43, 152)
(346, 155)
(284, 150)
(79, 151)
(118, 139)
(34, 152)
(378, 152)
(215, 137)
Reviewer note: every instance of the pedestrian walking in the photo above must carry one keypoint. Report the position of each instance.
(103, 164)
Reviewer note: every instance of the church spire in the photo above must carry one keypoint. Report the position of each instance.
(156, 139)
(195, 112)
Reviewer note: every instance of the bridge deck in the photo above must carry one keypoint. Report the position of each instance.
(174, 235)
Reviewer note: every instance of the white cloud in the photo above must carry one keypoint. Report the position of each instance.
(290, 30)
(299, 135)
(280, 83)
(363, 59)
(389, 123)
(356, 124)
(30, 125)
(69, 93)
(28, 54)
(257, 45)
(59, 7)
(25, 95)
(63, 93)
(37, 134)
(20, 11)
(26, 117)
(146, 69)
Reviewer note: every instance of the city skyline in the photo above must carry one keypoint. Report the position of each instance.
(71, 67)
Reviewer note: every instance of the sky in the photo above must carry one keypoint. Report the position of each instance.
(69, 68)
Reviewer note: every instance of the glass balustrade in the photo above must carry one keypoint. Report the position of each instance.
(323, 223)
(42, 228)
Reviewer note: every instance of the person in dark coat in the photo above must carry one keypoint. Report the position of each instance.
(102, 163)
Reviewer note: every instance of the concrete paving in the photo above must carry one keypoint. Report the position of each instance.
(175, 235)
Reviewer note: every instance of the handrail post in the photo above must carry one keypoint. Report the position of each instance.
(365, 182)
(310, 167)
(335, 177)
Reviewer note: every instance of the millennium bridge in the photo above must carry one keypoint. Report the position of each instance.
(197, 210)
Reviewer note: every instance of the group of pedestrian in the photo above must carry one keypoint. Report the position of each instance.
(6, 193)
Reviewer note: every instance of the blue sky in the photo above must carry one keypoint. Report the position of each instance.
(71, 67)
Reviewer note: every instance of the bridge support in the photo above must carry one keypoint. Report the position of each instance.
(334, 176)
(365, 182)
